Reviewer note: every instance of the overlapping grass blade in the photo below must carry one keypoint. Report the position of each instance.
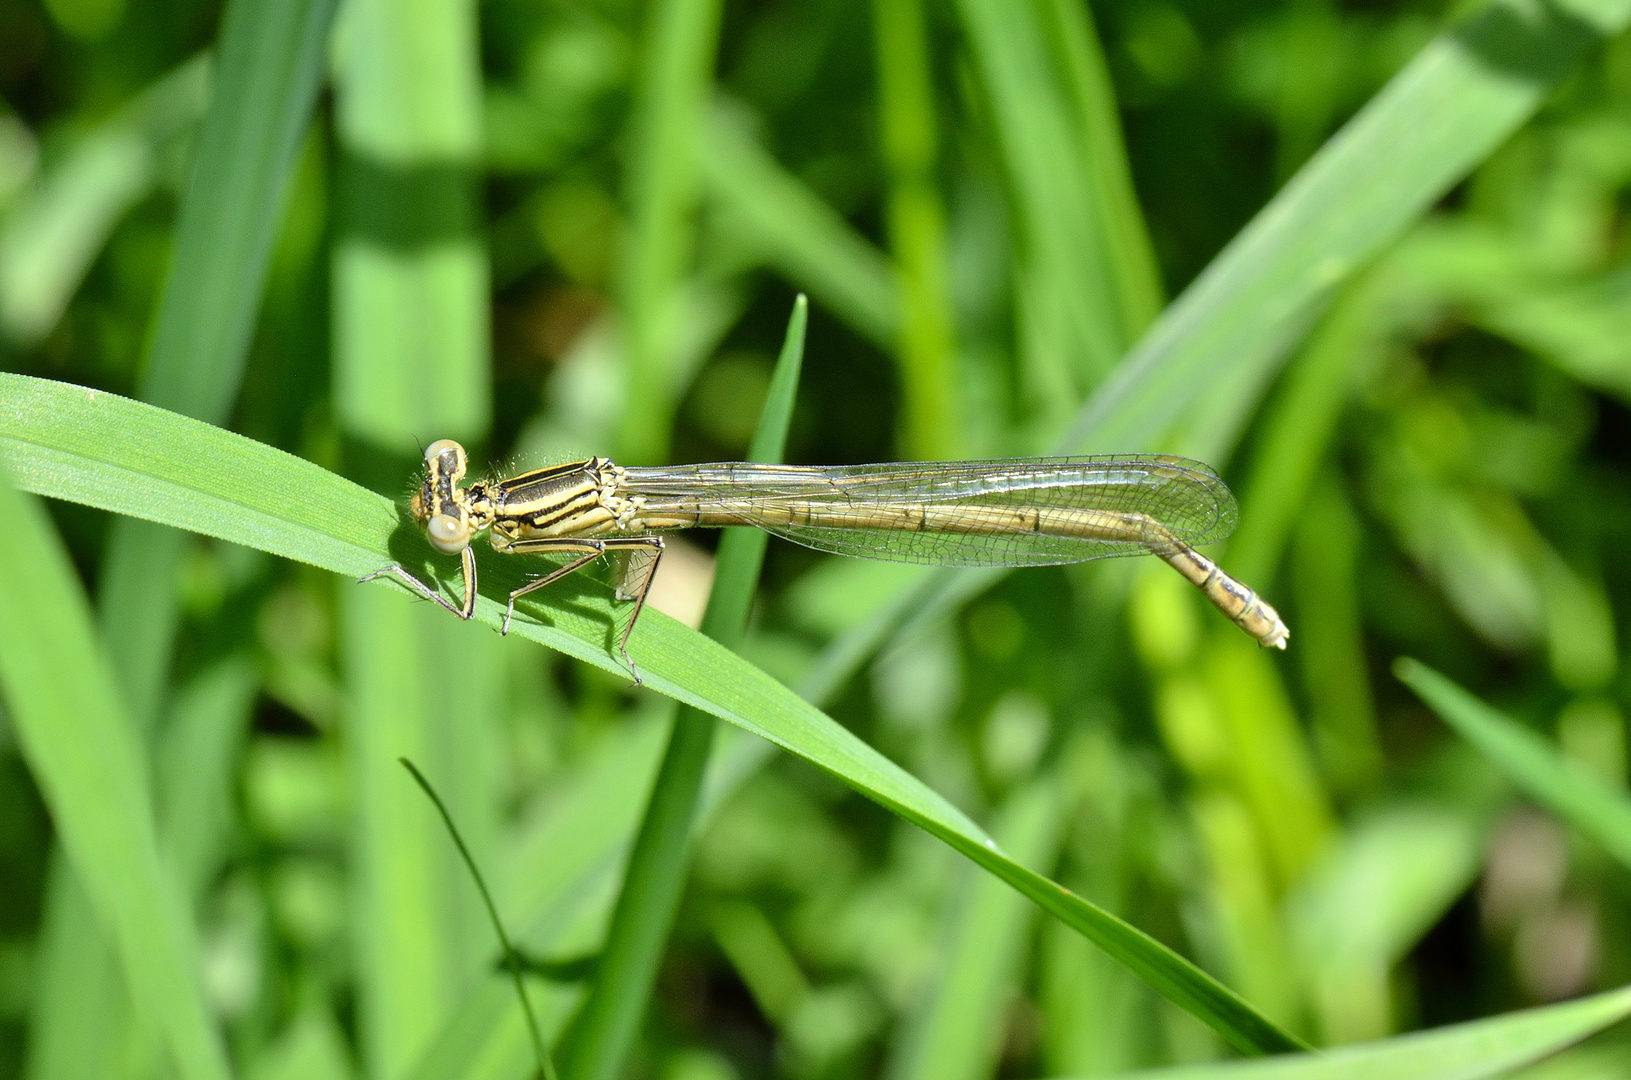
(599, 1043)
(102, 450)
(1215, 349)
(269, 68)
(91, 768)
(1477, 1051)
(1571, 791)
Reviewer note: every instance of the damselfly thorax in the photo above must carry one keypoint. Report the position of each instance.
(1011, 512)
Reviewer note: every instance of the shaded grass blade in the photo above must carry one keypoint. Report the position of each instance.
(92, 771)
(1480, 1050)
(791, 228)
(1090, 94)
(1577, 795)
(106, 451)
(599, 1042)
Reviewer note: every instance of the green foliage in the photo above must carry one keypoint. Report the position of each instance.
(235, 302)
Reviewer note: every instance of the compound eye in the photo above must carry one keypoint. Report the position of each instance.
(447, 534)
(435, 450)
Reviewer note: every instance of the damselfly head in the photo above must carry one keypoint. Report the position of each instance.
(438, 505)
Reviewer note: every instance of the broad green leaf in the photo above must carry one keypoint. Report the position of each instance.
(1476, 1051)
(1572, 792)
(92, 771)
(90, 447)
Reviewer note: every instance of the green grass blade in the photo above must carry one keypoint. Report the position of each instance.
(270, 64)
(676, 83)
(411, 288)
(1576, 794)
(917, 230)
(1296, 432)
(958, 1034)
(92, 771)
(601, 1037)
(1067, 297)
(1091, 96)
(1480, 1050)
(102, 450)
(788, 226)
(1458, 100)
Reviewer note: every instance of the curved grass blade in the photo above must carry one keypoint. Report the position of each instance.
(102, 450)
(1577, 795)
(93, 774)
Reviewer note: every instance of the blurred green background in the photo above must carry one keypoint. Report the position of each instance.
(551, 228)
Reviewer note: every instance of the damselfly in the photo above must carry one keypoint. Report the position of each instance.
(1011, 512)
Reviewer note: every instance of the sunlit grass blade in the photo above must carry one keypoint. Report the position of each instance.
(102, 450)
(92, 770)
(1481, 1050)
(600, 1038)
(411, 362)
(1574, 793)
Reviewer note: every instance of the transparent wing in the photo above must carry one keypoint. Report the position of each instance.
(952, 513)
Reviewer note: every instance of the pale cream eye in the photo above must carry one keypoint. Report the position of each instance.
(447, 533)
